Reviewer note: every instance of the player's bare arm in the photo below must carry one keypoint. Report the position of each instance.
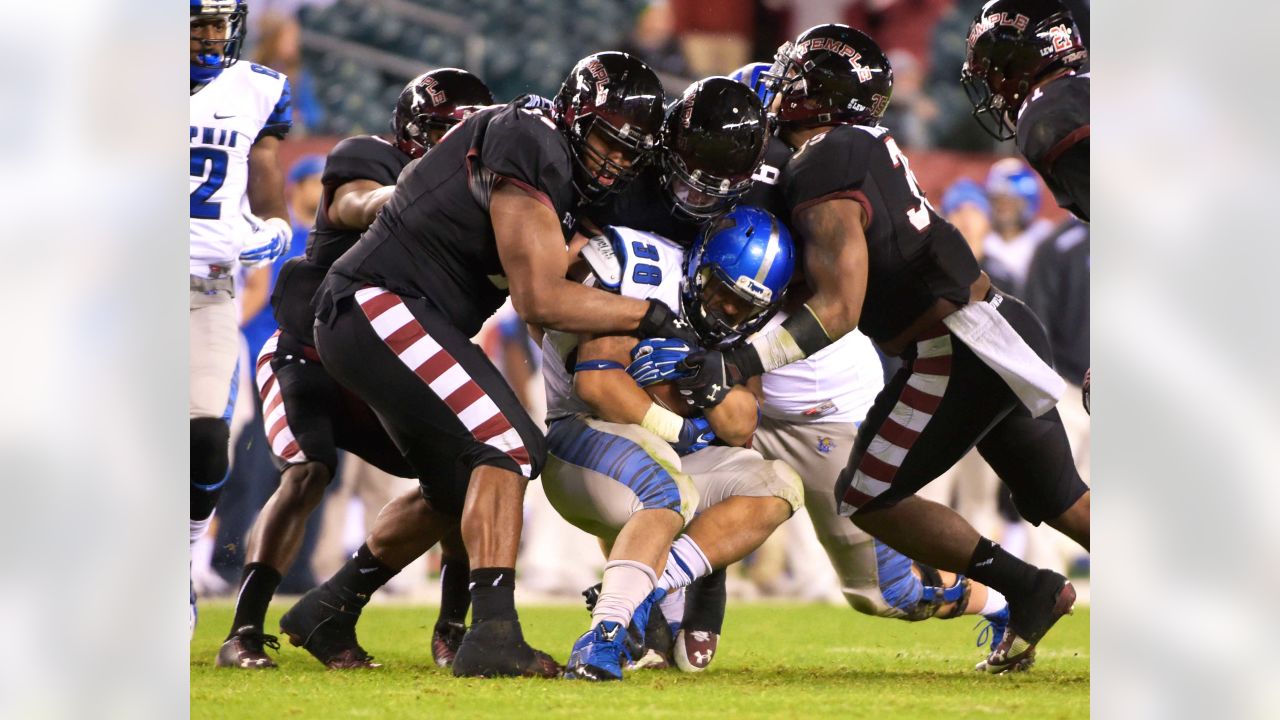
(266, 181)
(734, 420)
(532, 251)
(612, 394)
(356, 203)
(835, 263)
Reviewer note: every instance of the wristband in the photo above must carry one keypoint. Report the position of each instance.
(597, 365)
(798, 337)
(663, 423)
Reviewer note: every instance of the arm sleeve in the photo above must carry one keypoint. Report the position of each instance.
(526, 148)
(832, 165)
(281, 118)
(363, 157)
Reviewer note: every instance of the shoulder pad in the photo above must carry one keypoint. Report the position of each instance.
(603, 257)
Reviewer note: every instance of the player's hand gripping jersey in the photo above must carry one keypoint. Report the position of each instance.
(434, 238)
(629, 262)
(1053, 135)
(914, 256)
(228, 115)
(364, 157)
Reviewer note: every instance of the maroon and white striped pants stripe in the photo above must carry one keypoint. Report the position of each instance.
(395, 324)
(276, 421)
(916, 405)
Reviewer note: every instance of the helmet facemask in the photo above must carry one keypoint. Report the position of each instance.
(608, 176)
(219, 46)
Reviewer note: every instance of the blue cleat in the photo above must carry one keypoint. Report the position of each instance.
(599, 653)
(995, 625)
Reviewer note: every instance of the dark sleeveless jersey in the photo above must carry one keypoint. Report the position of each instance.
(644, 204)
(914, 255)
(434, 239)
(363, 157)
(1053, 135)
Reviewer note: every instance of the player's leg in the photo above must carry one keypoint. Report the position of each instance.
(932, 412)
(324, 620)
(455, 599)
(620, 483)
(214, 353)
(298, 400)
(743, 498)
(875, 579)
(446, 406)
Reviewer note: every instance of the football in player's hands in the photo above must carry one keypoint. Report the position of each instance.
(667, 395)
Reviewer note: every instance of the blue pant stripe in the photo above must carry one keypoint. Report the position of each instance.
(899, 587)
(573, 441)
(235, 390)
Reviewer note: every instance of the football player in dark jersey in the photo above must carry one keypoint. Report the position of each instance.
(1025, 72)
(715, 146)
(481, 217)
(308, 416)
(879, 258)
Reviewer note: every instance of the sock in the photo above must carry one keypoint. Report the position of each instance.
(363, 574)
(685, 563)
(455, 598)
(704, 605)
(626, 584)
(493, 595)
(258, 583)
(992, 566)
(673, 607)
(198, 527)
(995, 602)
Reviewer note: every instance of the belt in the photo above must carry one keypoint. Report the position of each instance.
(213, 286)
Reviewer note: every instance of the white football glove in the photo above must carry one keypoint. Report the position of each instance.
(270, 240)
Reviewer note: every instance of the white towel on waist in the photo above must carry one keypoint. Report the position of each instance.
(997, 344)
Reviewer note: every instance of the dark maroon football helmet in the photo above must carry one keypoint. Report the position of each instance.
(432, 103)
(831, 74)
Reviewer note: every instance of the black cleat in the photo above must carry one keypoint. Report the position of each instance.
(445, 640)
(324, 624)
(496, 648)
(1030, 618)
(246, 648)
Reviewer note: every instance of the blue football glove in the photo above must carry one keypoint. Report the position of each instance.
(655, 360)
(695, 434)
(269, 241)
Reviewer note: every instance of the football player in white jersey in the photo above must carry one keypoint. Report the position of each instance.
(634, 473)
(239, 113)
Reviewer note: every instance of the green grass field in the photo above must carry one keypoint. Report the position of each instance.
(775, 660)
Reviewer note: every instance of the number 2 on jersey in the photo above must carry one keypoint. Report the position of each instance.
(643, 273)
(201, 207)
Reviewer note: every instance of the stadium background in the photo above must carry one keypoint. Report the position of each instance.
(348, 61)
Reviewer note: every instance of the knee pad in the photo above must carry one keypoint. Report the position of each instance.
(210, 439)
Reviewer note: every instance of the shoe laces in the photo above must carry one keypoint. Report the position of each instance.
(992, 631)
(257, 641)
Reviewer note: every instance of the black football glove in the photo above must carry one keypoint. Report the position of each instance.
(713, 376)
(661, 321)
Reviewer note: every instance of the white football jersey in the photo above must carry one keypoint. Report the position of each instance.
(639, 265)
(838, 383)
(227, 117)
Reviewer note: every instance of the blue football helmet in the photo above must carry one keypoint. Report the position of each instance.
(749, 75)
(748, 251)
(1011, 176)
(219, 27)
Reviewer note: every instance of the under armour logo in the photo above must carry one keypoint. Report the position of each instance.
(715, 388)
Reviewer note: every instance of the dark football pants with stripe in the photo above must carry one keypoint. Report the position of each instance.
(942, 402)
(309, 416)
(443, 402)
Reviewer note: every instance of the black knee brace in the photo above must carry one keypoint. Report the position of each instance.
(935, 595)
(210, 438)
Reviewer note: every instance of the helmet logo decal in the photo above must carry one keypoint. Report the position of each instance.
(433, 90)
(1001, 19)
(596, 68)
(1060, 36)
(839, 48)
